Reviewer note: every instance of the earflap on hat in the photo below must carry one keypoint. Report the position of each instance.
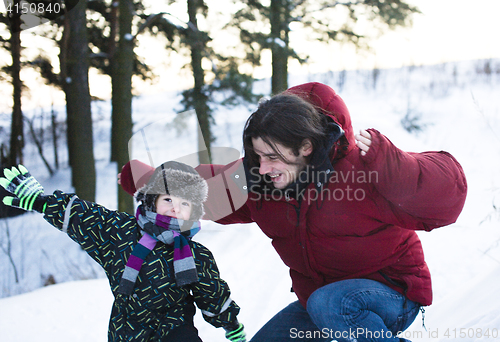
(179, 180)
(148, 201)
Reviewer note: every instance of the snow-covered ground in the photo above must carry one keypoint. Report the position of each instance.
(457, 106)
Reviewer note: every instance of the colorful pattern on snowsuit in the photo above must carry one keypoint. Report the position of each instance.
(157, 304)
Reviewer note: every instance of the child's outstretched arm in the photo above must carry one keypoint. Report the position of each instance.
(95, 228)
(26, 190)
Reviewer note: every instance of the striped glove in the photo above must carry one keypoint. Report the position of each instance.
(237, 334)
(28, 193)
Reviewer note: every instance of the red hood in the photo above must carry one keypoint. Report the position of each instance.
(331, 103)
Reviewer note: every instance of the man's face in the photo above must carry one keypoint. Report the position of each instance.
(282, 173)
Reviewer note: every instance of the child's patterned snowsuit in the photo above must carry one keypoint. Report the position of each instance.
(157, 305)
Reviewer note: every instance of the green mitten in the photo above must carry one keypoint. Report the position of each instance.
(28, 193)
(236, 335)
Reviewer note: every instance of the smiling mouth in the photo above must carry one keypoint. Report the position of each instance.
(274, 176)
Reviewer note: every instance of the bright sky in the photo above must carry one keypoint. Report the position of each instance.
(447, 30)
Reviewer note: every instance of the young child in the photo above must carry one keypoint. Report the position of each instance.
(156, 272)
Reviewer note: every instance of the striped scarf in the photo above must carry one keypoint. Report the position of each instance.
(168, 230)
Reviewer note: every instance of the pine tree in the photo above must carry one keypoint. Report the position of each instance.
(318, 18)
(74, 69)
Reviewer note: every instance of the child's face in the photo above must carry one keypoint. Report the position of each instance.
(173, 206)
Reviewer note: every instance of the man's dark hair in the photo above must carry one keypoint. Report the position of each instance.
(285, 119)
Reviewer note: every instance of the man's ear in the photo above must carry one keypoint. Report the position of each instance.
(306, 148)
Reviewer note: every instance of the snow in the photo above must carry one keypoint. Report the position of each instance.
(457, 106)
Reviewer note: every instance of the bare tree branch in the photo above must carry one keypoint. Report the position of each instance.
(8, 250)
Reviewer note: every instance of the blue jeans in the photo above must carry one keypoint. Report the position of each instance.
(355, 310)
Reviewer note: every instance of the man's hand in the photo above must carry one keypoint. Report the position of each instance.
(363, 141)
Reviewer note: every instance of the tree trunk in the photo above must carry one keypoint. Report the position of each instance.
(14, 155)
(17, 133)
(121, 82)
(54, 137)
(279, 49)
(76, 88)
(197, 44)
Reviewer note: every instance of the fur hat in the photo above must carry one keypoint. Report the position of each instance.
(175, 179)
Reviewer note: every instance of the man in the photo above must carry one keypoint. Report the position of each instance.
(342, 215)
